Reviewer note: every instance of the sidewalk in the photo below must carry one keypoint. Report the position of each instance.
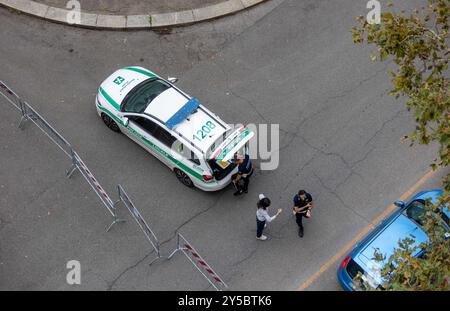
(131, 14)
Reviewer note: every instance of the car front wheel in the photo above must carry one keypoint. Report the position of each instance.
(110, 123)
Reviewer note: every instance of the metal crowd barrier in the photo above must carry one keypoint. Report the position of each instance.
(199, 263)
(77, 163)
(151, 237)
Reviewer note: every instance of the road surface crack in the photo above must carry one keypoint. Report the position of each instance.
(334, 193)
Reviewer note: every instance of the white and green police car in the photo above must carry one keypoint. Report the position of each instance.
(173, 126)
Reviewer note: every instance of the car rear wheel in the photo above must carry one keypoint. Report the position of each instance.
(183, 178)
(110, 123)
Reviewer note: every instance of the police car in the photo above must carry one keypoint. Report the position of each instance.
(173, 126)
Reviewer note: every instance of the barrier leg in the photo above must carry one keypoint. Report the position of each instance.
(114, 212)
(23, 120)
(151, 262)
(177, 249)
(72, 169)
(116, 221)
(24, 112)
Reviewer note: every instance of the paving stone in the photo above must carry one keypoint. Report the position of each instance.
(26, 6)
(176, 18)
(138, 21)
(216, 10)
(111, 21)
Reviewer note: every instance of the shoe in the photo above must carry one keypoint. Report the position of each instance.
(262, 238)
(246, 190)
(300, 232)
(237, 193)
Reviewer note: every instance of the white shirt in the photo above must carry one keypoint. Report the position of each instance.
(263, 215)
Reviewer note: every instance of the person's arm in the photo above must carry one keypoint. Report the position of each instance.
(310, 204)
(268, 218)
(299, 209)
(238, 177)
(302, 209)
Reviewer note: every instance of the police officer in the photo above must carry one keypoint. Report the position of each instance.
(302, 208)
(245, 170)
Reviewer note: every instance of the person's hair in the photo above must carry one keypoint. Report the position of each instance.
(301, 192)
(263, 203)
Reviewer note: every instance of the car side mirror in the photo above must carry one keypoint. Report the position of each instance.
(399, 203)
(172, 79)
(125, 121)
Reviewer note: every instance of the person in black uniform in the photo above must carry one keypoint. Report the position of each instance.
(241, 179)
(302, 208)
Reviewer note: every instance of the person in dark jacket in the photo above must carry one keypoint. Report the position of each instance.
(241, 179)
(302, 208)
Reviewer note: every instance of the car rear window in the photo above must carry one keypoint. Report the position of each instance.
(353, 268)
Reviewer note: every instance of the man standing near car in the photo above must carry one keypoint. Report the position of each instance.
(245, 171)
(302, 208)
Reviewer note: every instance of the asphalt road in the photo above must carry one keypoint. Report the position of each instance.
(286, 62)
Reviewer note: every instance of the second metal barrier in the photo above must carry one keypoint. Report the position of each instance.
(199, 263)
(151, 237)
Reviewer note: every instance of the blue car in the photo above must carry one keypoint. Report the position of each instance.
(405, 222)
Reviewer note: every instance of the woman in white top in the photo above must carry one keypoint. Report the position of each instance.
(262, 216)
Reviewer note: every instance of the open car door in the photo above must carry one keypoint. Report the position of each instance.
(232, 144)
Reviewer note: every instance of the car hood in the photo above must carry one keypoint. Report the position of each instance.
(121, 82)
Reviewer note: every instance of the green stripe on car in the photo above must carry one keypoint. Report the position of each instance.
(144, 72)
(109, 99)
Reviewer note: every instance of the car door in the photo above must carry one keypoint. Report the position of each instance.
(142, 130)
(165, 144)
(192, 163)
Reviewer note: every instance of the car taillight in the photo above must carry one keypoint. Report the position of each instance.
(207, 177)
(345, 262)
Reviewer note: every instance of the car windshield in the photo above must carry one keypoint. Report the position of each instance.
(416, 211)
(143, 94)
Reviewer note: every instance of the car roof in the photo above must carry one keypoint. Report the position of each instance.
(167, 104)
(185, 116)
(197, 124)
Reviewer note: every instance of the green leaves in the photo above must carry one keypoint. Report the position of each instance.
(417, 45)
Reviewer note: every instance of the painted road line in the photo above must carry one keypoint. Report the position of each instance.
(332, 261)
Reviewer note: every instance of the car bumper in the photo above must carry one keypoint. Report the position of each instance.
(214, 186)
(217, 185)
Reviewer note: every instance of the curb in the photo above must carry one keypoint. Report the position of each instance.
(121, 22)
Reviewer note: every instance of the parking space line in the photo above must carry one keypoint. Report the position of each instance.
(331, 262)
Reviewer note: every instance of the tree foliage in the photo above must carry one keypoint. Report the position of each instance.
(417, 43)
